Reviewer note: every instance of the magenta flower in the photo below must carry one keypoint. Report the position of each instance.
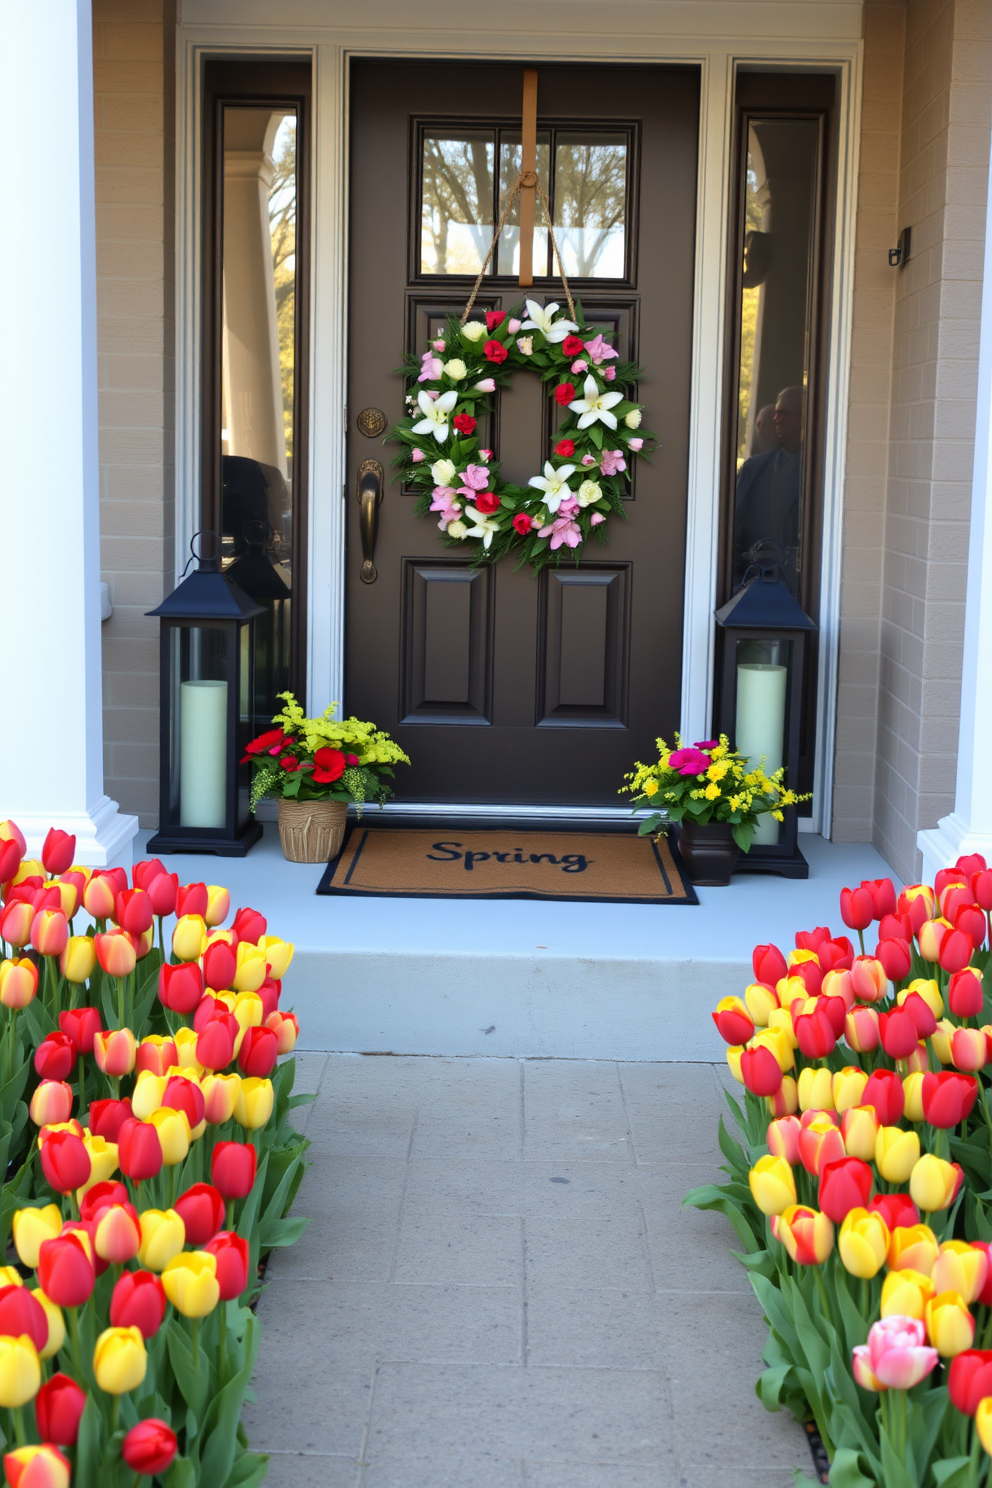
(430, 367)
(706, 743)
(609, 373)
(689, 761)
(568, 507)
(580, 365)
(612, 462)
(445, 503)
(599, 350)
(596, 518)
(562, 530)
(896, 1353)
(476, 478)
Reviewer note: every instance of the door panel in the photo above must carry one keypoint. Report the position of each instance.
(503, 686)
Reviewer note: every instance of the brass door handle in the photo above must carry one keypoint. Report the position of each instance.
(370, 482)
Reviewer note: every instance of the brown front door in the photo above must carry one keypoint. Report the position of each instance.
(504, 687)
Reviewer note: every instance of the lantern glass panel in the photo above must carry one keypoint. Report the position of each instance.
(762, 696)
(201, 665)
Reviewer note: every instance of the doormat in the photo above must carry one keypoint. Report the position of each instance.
(597, 867)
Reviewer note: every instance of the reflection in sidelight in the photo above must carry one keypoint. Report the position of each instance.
(590, 203)
(780, 207)
(456, 210)
(258, 377)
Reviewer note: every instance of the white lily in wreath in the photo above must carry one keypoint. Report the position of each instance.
(541, 320)
(554, 484)
(484, 527)
(436, 411)
(596, 405)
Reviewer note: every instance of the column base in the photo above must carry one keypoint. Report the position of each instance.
(949, 840)
(104, 835)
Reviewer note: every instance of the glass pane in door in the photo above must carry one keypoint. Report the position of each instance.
(510, 150)
(456, 209)
(590, 203)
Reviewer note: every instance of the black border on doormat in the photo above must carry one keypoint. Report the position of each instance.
(326, 887)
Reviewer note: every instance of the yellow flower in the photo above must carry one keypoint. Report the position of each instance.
(119, 1360)
(717, 770)
(712, 792)
(650, 787)
(190, 1282)
(778, 816)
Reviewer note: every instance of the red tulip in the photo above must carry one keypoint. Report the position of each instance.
(182, 1094)
(58, 1406)
(898, 1033)
(138, 1301)
(815, 1033)
(143, 873)
(117, 877)
(234, 1164)
(191, 899)
(65, 1270)
(921, 1013)
(65, 1161)
(833, 1006)
(139, 1151)
(108, 1116)
(769, 964)
(948, 1097)
(220, 963)
(133, 911)
(969, 1379)
(896, 958)
(733, 1021)
(985, 1295)
(897, 1209)
(49, 932)
(159, 1057)
(956, 950)
(180, 987)
(208, 1007)
(58, 851)
(16, 922)
(971, 921)
(883, 895)
(10, 859)
(857, 908)
(981, 887)
(231, 1253)
(215, 1041)
(149, 1447)
(760, 1070)
(250, 926)
(868, 979)
(55, 1057)
(21, 1312)
(836, 954)
(201, 1209)
(260, 1050)
(970, 863)
(116, 1234)
(269, 992)
(80, 1025)
(884, 1091)
(101, 1196)
(116, 953)
(844, 1185)
(287, 1029)
(51, 1103)
(99, 896)
(945, 876)
(895, 927)
(954, 897)
(810, 974)
(162, 893)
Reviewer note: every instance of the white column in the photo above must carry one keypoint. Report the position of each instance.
(51, 736)
(969, 827)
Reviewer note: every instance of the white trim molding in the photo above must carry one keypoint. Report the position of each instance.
(719, 36)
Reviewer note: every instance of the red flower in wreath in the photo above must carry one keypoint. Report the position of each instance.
(565, 448)
(496, 351)
(564, 393)
(486, 502)
(328, 766)
(271, 740)
(496, 318)
(572, 345)
(464, 423)
(522, 523)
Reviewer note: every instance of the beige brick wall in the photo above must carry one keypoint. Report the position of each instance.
(134, 86)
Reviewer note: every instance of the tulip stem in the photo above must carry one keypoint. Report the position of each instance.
(824, 1299)
(865, 1299)
(82, 1090)
(19, 1431)
(195, 1336)
(77, 1361)
(120, 1001)
(115, 1413)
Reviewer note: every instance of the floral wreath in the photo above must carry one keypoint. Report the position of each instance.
(584, 480)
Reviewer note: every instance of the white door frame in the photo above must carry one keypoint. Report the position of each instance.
(822, 36)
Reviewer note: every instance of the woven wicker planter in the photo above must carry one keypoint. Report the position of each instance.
(311, 831)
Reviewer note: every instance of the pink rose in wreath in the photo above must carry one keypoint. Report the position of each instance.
(476, 478)
(328, 766)
(563, 530)
(599, 350)
(612, 462)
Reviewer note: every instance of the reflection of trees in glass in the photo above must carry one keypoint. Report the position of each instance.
(458, 189)
(749, 318)
(511, 153)
(282, 228)
(590, 194)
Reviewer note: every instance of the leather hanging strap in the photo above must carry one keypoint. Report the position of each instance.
(528, 177)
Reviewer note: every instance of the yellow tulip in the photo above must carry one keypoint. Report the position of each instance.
(896, 1153)
(148, 1092)
(816, 1089)
(773, 1187)
(859, 1128)
(941, 1040)
(785, 1101)
(119, 1360)
(78, 959)
(760, 1001)
(863, 1243)
(173, 1133)
(163, 1236)
(103, 1162)
(186, 1047)
(913, 1090)
(10, 1276)
(248, 1008)
(791, 989)
(52, 1471)
(961, 1268)
(191, 1284)
(928, 990)
(781, 1019)
(933, 1183)
(187, 938)
(30, 868)
(31, 1227)
(56, 1323)
(950, 1326)
(254, 1103)
(848, 1087)
(906, 1294)
(983, 1423)
(218, 904)
(20, 1371)
(220, 1094)
(252, 969)
(734, 1061)
(279, 953)
(913, 1248)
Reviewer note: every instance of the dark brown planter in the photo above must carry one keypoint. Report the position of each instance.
(709, 852)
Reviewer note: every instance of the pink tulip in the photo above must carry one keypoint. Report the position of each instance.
(897, 1354)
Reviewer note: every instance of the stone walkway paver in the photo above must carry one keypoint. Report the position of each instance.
(498, 1288)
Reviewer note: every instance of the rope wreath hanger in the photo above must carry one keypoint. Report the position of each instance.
(526, 178)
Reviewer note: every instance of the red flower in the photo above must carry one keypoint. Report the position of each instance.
(970, 1379)
(58, 1406)
(571, 346)
(290, 762)
(249, 925)
(138, 1301)
(496, 351)
(844, 1185)
(494, 318)
(487, 502)
(564, 393)
(149, 1447)
(464, 422)
(201, 1210)
(258, 1053)
(352, 759)
(565, 448)
(328, 765)
(264, 741)
(522, 523)
(231, 1254)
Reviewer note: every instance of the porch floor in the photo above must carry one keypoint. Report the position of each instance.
(498, 1288)
(524, 978)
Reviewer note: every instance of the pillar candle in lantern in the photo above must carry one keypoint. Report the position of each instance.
(760, 725)
(203, 754)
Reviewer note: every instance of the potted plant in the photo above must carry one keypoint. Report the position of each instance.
(714, 796)
(315, 767)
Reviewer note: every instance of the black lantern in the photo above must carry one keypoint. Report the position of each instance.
(207, 714)
(761, 697)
